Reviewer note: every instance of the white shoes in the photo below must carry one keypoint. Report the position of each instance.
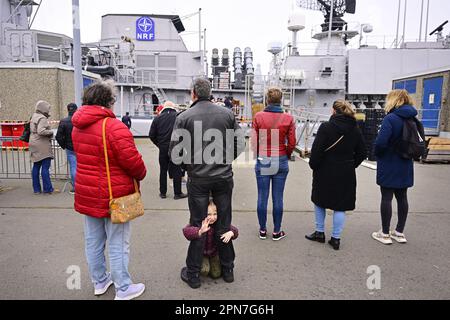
(387, 238)
(133, 291)
(382, 237)
(101, 288)
(399, 237)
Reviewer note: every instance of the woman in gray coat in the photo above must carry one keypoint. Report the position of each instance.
(41, 148)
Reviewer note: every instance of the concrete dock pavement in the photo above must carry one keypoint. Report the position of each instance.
(42, 237)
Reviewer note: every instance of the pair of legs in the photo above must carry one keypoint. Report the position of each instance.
(42, 168)
(211, 267)
(271, 171)
(175, 172)
(198, 199)
(72, 159)
(97, 232)
(338, 221)
(387, 196)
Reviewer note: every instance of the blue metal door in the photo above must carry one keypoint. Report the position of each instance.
(432, 100)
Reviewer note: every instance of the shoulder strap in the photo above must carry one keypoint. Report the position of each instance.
(334, 144)
(108, 174)
(105, 150)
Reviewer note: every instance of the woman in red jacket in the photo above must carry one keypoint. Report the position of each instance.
(274, 141)
(92, 195)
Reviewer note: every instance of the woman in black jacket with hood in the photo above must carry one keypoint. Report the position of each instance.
(337, 151)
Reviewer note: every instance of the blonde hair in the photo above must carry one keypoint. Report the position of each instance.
(397, 98)
(344, 107)
(169, 104)
(274, 95)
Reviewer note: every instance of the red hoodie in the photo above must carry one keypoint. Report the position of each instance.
(125, 161)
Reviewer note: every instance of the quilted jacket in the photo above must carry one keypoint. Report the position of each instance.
(125, 161)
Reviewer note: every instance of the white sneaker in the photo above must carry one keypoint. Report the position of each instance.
(399, 237)
(101, 288)
(133, 291)
(381, 237)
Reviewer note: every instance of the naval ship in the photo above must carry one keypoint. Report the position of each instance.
(147, 57)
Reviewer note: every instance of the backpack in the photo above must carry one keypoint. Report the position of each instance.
(411, 144)
(26, 133)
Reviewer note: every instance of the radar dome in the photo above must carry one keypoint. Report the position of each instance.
(297, 21)
(275, 47)
(367, 28)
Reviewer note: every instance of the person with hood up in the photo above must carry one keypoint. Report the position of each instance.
(160, 134)
(394, 173)
(92, 188)
(64, 138)
(337, 151)
(41, 148)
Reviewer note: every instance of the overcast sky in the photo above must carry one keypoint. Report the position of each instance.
(243, 23)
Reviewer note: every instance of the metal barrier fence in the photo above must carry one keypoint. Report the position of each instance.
(15, 162)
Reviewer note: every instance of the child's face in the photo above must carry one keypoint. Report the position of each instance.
(212, 213)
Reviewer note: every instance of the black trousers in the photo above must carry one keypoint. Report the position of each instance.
(167, 166)
(387, 195)
(198, 192)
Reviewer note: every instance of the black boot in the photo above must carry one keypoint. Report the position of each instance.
(228, 275)
(316, 236)
(335, 243)
(193, 282)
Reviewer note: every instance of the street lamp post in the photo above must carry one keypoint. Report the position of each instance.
(78, 76)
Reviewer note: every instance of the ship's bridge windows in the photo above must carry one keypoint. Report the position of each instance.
(167, 76)
(169, 62)
(145, 61)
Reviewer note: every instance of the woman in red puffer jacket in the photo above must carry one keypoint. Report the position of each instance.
(91, 191)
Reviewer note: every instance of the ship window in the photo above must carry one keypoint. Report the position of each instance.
(145, 61)
(49, 55)
(167, 75)
(169, 62)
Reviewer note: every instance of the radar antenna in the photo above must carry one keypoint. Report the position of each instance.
(340, 7)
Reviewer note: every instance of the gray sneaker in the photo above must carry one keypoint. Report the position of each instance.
(101, 288)
(133, 291)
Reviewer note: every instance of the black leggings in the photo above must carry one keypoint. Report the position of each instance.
(386, 208)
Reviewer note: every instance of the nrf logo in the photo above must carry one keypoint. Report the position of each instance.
(145, 29)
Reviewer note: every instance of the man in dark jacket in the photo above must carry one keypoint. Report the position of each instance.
(206, 140)
(127, 120)
(64, 138)
(160, 134)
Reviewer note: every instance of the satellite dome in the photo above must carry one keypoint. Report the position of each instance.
(368, 28)
(297, 21)
(275, 47)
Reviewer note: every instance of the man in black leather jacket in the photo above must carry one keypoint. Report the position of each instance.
(64, 138)
(205, 141)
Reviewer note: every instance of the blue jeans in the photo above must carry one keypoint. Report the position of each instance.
(269, 170)
(96, 232)
(47, 183)
(338, 221)
(72, 159)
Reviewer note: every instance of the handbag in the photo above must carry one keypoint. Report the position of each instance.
(126, 208)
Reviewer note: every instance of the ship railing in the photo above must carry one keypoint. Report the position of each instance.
(307, 122)
(147, 110)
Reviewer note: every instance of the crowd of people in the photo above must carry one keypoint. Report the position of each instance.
(184, 140)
